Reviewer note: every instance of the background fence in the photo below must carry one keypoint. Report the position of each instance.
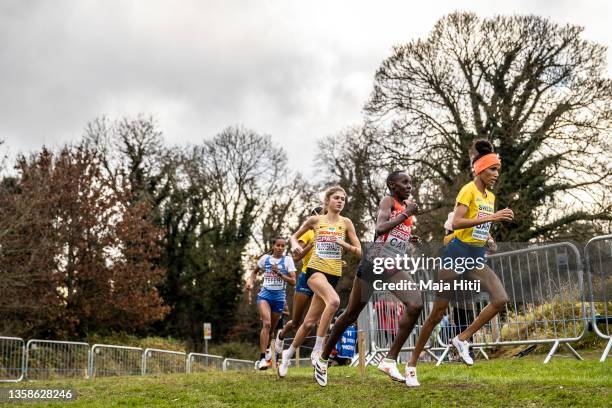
(108, 360)
(553, 297)
(12, 359)
(598, 253)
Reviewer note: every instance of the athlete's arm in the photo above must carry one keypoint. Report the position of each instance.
(460, 222)
(305, 249)
(296, 248)
(383, 222)
(289, 278)
(251, 279)
(355, 245)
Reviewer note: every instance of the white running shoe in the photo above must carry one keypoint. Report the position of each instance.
(278, 343)
(389, 367)
(283, 367)
(314, 357)
(262, 364)
(320, 372)
(411, 377)
(463, 348)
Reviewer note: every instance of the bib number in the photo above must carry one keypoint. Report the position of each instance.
(328, 250)
(481, 232)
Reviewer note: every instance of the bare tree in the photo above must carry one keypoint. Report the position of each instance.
(534, 88)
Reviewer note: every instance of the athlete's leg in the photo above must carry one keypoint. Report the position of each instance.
(413, 305)
(360, 294)
(266, 321)
(440, 304)
(300, 303)
(321, 287)
(317, 305)
(490, 283)
(274, 318)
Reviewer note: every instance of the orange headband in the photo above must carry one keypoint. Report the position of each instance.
(485, 162)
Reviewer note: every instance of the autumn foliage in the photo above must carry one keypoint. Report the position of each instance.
(76, 255)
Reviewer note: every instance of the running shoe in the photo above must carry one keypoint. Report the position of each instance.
(320, 372)
(411, 377)
(463, 349)
(268, 354)
(389, 367)
(278, 344)
(314, 357)
(283, 367)
(262, 364)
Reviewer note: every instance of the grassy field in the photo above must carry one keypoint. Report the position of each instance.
(517, 382)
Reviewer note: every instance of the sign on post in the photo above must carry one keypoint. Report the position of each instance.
(207, 331)
(207, 336)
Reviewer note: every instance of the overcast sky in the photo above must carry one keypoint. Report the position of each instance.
(297, 70)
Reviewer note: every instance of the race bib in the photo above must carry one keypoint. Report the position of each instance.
(396, 243)
(272, 281)
(481, 232)
(326, 247)
(328, 250)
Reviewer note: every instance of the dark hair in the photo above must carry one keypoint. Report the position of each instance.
(481, 147)
(317, 211)
(392, 176)
(272, 242)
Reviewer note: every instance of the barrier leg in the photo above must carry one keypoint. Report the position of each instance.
(574, 352)
(432, 354)
(371, 357)
(443, 356)
(481, 351)
(273, 353)
(297, 357)
(552, 351)
(606, 352)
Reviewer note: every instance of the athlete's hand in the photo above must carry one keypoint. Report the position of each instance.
(297, 251)
(504, 215)
(491, 244)
(275, 269)
(411, 209)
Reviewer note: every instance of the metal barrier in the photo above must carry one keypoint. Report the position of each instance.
(236, 364)
(12, 359)
(197, 362)
(546, 303)
(108, 360)
(380, 321)
(598, 253)
(47, 359)
(156, 361)
(545, 285)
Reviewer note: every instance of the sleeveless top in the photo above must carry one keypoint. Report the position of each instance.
(327, 255)
(396, 241)
(272, 281)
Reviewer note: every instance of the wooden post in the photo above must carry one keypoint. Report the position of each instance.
(361, 348)
(297, 357)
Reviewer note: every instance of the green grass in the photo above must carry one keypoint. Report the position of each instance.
(508, 382)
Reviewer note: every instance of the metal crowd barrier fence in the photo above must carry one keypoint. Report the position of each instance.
(12, 359)
(598, 253)
(236, 364)
(545, 285)
(380, 321)
(47, 359)
(109, 360)
(197, 362)
(156, 361)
